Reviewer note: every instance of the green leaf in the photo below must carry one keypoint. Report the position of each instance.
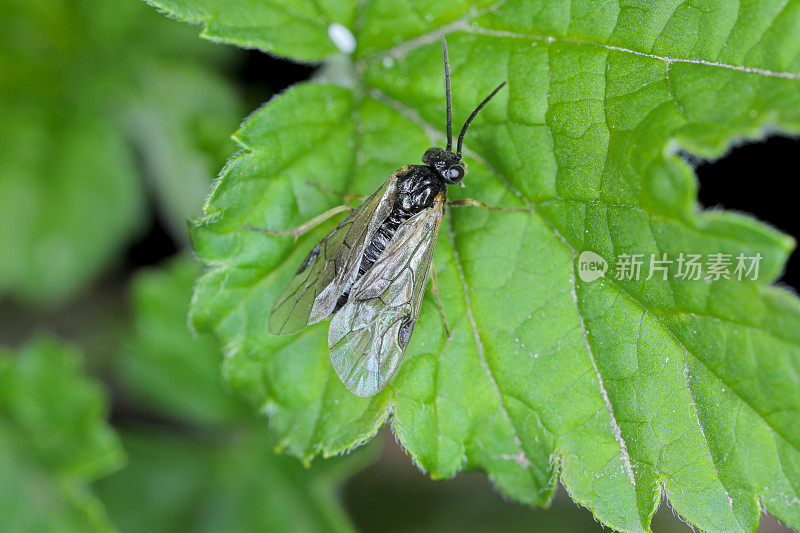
(94, 108)
(626, 389)
(213, 466)
(53, 441)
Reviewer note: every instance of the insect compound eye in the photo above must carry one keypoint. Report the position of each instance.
(454, 174)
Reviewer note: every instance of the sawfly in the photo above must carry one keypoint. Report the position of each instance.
(370, 272)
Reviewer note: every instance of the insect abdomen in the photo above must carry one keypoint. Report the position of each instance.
(374, 249)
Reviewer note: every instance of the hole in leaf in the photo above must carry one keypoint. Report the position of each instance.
(759, 179)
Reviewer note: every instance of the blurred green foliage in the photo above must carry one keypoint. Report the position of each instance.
(95, 113)
(231, 482)
(54, 440)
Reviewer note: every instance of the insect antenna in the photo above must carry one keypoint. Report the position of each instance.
(474, 113)
(448, 97)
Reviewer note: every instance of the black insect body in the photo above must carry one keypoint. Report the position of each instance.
(370, 272)
(417, 186)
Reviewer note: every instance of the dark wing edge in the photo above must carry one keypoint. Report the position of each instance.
(331, 266)
(369, 334)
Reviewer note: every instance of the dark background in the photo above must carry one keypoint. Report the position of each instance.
(758, 178)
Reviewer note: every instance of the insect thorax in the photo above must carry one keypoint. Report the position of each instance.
(417, 186)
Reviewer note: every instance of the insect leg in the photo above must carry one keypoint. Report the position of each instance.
(308, 226)
(470, 202)
(435, 291)
(346, 197)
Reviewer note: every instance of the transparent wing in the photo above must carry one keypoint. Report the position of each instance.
(331, 266)
(369, 334)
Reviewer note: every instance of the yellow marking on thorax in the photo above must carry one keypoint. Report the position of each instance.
(438, 202)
